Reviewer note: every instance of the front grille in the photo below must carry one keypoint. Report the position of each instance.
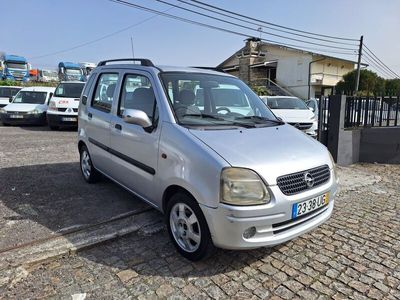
(16, 112)
(302, 126)
(65, 109)
(295, 183)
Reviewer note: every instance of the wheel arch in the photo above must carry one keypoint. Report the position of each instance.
(172, 190)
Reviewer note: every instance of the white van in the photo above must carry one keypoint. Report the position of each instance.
(63, 107)
(7, 93)
(28, 107)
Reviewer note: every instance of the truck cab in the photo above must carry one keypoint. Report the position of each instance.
(87, 68)
(13, 67)
(68, 71)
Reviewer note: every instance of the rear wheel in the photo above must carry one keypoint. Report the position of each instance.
(53, 127)
(188, 227)
(90, 174)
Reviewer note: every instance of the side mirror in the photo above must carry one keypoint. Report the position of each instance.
(137, 117)
(311, 108)
(11, 99)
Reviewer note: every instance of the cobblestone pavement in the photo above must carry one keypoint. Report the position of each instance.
(355, 255)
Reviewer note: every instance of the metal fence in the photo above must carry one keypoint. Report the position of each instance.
(372, 112)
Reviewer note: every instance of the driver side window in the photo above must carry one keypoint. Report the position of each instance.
(104, 94)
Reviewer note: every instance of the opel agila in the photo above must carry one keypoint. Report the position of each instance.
(200, 146)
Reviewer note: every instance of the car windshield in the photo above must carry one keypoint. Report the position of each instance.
(30, 97)
(12, 65)
(215, 100)
(286, 103)
(7, 92)
(73, 71)
(70, 90)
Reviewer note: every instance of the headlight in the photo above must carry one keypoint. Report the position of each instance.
(2, 111)
(335, 173)
(35, 111)
(242, 187)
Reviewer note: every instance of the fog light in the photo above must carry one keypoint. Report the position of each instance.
(249, 232)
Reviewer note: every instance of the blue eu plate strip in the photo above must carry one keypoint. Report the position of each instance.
(294, 211)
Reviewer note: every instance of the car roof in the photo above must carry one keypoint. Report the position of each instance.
(72, 81)
(11, 86)
(39, 89)
(280, 97)
(161, 68)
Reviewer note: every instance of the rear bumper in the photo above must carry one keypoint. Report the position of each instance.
(62, 120)
(27, 119)
(273, 223)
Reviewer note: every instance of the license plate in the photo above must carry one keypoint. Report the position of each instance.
(16, 116)
(69, 119)
(302, 208)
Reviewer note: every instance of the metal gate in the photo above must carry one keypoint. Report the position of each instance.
(323, 120)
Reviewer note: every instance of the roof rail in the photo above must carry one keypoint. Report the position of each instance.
(210, 68)
(143, 61)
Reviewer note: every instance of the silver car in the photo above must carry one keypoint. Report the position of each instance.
(200, 146)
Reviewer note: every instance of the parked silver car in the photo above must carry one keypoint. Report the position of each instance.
(201, 147)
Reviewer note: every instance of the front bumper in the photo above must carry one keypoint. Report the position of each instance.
(273, 222)
(24, 119)
(62, 120)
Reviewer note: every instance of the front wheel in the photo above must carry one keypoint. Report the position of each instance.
(188, 227)
(90, 174)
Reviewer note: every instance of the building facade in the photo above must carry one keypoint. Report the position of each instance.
(279, 68)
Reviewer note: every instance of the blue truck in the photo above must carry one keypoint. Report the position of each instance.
(13, 67)
(68, 71)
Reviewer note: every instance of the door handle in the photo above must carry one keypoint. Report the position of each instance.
(118, 126)
(90, 116)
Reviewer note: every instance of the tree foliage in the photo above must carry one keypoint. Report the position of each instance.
(370, 84)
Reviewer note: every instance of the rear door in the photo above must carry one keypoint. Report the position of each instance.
(99, 117)
(134, 150)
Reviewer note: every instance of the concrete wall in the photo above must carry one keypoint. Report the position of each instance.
(381, 145)
(348, 146)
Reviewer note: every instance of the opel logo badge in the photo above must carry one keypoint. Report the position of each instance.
(309, 180)
(297, 125)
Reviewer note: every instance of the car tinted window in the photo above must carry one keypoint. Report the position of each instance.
(104, 94)
(8, 92)
(69, 90)
(137, 93)
(286, 103)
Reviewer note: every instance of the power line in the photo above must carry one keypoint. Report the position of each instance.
(379, 61)
(98, 39)
(298, 47)
(266, 26)
(272, 24)
(377, 68)
(250, 28)
(375, 63)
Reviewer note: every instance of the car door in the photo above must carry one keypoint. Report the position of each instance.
(99, 118)
(134, 150)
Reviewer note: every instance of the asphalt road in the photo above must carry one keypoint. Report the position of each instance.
(42, 192)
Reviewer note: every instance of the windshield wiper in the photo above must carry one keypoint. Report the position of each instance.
(204, 116)
(230, 122)
(279, 122)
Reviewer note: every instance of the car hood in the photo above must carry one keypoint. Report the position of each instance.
(294, 115)
(24, 107)
(270, 151)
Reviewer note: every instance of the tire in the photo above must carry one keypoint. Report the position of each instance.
(6, 124)
(52, 127)
(89, 173)
(192, 240)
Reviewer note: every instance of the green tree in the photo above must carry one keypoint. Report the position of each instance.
(392, 87)
(370, 83)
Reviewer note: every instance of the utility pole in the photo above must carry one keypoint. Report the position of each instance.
(133, 52)
(359, 65)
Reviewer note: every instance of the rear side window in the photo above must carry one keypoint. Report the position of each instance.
(104, 93)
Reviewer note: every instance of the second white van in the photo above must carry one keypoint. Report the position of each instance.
(63, 107)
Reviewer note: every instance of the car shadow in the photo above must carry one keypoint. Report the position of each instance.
(47, 128)
(40, 201)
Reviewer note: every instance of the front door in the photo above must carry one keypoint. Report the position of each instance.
(134, 150)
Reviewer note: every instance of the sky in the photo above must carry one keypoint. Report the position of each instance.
(40, 27)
